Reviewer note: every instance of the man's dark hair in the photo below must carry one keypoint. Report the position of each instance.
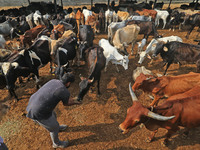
(68, 77)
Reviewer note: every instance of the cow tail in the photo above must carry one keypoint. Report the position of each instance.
(94, 66)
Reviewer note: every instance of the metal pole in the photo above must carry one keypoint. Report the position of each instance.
(169, 4)
(61, 2)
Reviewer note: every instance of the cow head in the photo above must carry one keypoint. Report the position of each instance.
(160, 46)
(122, 48)
(82, 47)
(140, 70)
(142, 56)
(144, 81)
(84, 86)
(124, 62)
(137, 114)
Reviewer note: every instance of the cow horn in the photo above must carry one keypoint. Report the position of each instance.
(90, 81)
(14, 64)
(158, 117)
(133, 96)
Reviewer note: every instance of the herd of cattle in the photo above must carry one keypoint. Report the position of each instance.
(66, 39)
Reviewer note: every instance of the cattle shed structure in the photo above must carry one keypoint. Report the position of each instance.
(78, 2)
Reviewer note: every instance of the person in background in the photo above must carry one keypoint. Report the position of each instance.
(2, 144)
(42, 103)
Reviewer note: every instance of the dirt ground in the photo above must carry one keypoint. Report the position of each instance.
(93, 125)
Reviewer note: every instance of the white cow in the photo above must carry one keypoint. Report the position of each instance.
(161, 14)
(112, 55)
(140, 18)
(2, 41)
(152, 45)
(141, 45)
(37, 18)
(108, 18)
(87, 13)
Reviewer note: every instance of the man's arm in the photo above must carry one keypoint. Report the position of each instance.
(72, 101)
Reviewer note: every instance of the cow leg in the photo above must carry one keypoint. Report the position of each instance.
(151, 137)
(169, 134)
(187, 36)
(164, 23)
(12, 93)
(133, 43)
(168, 64)
(198, 66)
(155, 101)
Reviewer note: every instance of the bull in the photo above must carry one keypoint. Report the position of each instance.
(179, 110)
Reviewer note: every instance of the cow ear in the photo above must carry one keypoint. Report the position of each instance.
(165, 48)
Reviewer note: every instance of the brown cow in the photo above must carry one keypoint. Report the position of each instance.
(80, 19)
(122, 15)
(147, 12)
(179, 110)
(30, 35)
(166, 85)
(57, 31)
(94, 23)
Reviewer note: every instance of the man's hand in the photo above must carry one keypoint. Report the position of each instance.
(73, 101)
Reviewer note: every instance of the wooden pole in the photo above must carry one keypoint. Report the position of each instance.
(108, 3)
(29, 2)
(154, 4)
(55, 4)
(91, 4)
(61, 2)
(195, 7)
(169, 4)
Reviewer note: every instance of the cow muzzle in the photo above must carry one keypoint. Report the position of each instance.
(123, 131)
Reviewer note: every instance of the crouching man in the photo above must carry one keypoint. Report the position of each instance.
(42, 103)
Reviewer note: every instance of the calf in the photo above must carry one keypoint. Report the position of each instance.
(152, 45)
(166, 85)
(161, 14)
(125, 36)
(112, 55)
(177, 51)
(96, 63)
(175, 112)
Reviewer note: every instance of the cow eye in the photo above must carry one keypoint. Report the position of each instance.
(136, 121)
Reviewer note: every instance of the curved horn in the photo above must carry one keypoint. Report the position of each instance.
(90, 81)
(133, 96)
(159, 117)
(14, 64)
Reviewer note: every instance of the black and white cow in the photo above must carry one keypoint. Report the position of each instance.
(27, 61)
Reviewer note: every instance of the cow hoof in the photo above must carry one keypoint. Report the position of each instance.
(148, 140)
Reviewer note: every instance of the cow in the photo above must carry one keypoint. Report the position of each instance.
(57, 31)
(6, 28)
(86, 13)
(64, 50)
(13, 45)
(25, 62)
(30, 21)
(141, 45)
(151, 46)
(29, 35)
(86, 37)
(147, 28)
(176, 52)
(161, 14)
(2, 41)
(122, 15)
(140, 70)
(93, 23)
(166, 85)
(176, 19)
(175, 112)
(96, 63)
(108, 18)
(80, 19)
(112, 55)
(140, 18)
(113, 27)
(193, 20)
(147, 12)
(125, 36)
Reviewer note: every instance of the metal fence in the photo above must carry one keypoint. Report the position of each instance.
(77, 2)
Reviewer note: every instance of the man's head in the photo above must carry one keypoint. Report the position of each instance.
(67, 79)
